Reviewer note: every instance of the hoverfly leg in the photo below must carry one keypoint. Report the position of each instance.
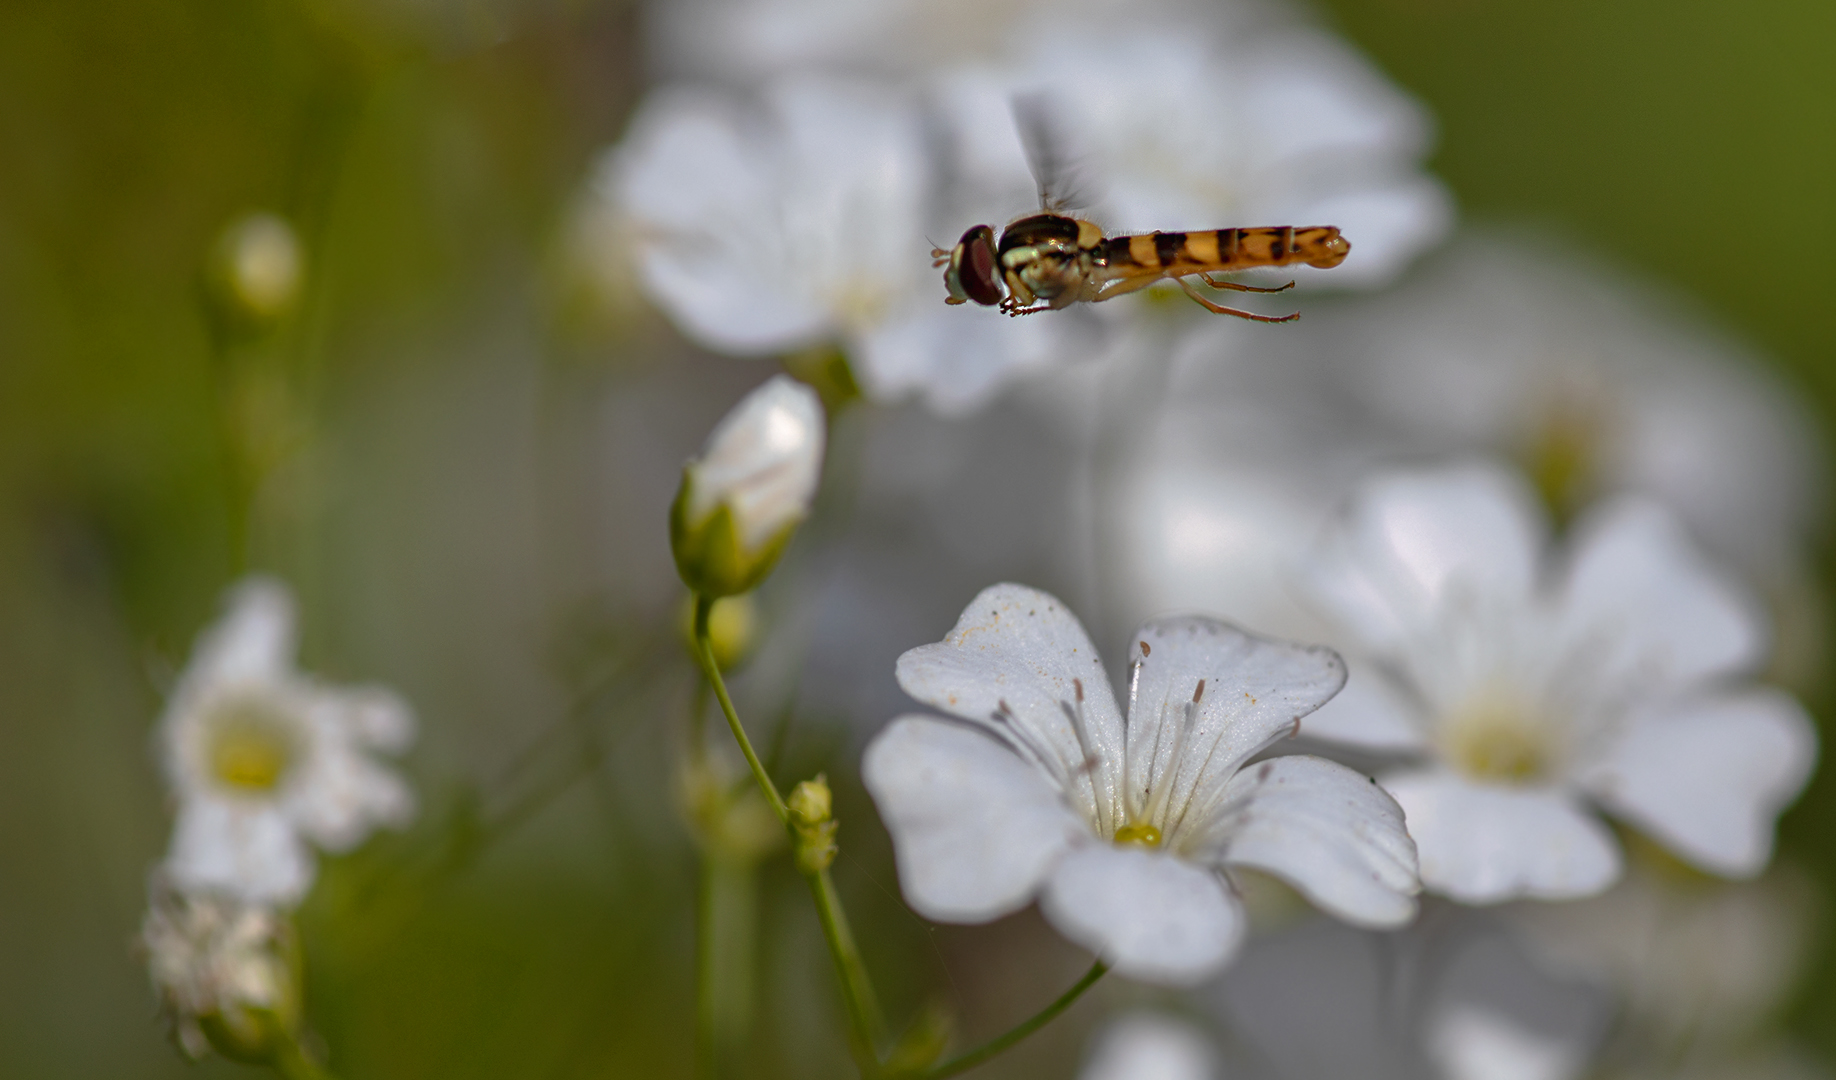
(1219, 283)
(1192, 291)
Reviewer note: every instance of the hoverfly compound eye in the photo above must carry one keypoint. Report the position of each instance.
(971, 274)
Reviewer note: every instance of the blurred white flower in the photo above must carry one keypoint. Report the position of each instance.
(798, 221)
(1451, 998)
(1594, 385)
(1533, 689)
(223, 970)
(1257, 126)
(265, 760)
(1123, 830)
(1150, 1046)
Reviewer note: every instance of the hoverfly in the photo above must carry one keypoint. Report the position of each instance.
(1049, 260)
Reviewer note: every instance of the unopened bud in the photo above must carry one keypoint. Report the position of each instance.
(732, 628)
(811, 806)
(743, 498)
(258, 267)
(226, 973)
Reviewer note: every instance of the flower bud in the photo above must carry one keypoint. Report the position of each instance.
(226, 973)
(733, 628)
(811, 808)
(258, 267)
(743, 498)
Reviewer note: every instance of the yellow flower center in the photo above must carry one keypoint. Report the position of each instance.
(1140, 834)
(252, 746)
(1496, 740)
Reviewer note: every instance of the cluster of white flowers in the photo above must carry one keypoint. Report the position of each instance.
(797, 211)
(1513, 494)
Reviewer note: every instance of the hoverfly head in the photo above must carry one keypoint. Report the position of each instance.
(972, 270)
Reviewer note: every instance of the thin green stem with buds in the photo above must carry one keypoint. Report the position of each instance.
(704, 655)
(1002, 1043)
(857, 991)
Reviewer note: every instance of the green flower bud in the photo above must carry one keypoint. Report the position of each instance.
(733, 627)
(741, 501)
(811, 806)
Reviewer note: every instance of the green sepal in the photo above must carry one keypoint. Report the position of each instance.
(708, 553)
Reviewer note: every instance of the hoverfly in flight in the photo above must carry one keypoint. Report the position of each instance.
(1050, 260)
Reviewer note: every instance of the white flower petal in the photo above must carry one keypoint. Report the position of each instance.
(1014, 664)
(1649, 607)
(1147, 914)
(975, 829)
(1150, 1046)
(1414, 543)
(1483, 843)
(253, 641)
(1368, 713)
(246, 849)
(1709, 777)
(1331, 832)
(1249, 691)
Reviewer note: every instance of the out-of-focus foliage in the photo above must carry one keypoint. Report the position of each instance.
(473, 504)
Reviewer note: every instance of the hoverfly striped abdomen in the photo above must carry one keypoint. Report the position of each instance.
(970, 271)
(1175, 254)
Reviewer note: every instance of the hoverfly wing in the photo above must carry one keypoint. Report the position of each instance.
(1065, 176)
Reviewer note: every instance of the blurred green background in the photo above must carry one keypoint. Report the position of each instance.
(441, 528)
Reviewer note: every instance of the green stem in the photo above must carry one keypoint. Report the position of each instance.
(1001, 1043)
(727, 933)
(704, 654)
(864, 1020)
(293, 1064)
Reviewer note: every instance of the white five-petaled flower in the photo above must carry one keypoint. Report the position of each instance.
(1533, 691)
(1123, 829)
(266, 761)
(797, 220)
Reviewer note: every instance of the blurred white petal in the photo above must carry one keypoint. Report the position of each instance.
(1709, 776)
(1649, 606)
(1482, 843)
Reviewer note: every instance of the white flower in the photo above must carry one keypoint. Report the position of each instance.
(1450, 998)
(1123, 829)
(1534, 691)
(798, 222)
(265, 760)
(1150, 1046)
(221, 966)
(1255, 126)
(1596, 385)
(751, 487)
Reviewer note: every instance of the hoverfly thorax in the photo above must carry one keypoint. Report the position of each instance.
(971, 272)
(1048, 257)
